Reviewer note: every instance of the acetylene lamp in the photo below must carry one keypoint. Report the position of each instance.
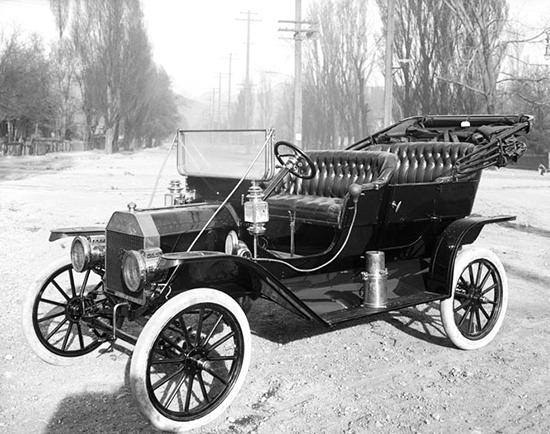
(174, 196)
(256, 212)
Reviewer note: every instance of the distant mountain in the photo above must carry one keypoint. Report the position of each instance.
(192, 112)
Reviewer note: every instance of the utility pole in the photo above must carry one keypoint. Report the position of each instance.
(302, 30)
(213, 109)
(298, 75)
(230, 58)
(247, 76)
(388, 66)
(220, 101)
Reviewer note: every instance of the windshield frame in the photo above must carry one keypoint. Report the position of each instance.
(266, 158)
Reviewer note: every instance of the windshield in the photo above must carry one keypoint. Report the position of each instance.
(225, 153)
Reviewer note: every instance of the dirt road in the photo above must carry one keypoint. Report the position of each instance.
(392, 374)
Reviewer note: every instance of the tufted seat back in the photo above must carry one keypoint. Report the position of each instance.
(337, 170)
(320, 200)
(424, 161)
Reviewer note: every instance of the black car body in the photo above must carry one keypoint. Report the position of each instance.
(330, 235)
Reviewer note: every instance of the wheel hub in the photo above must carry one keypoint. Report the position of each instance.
(75, 309)
(196, 360)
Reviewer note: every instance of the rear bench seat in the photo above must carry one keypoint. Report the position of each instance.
(320, 200)
(424, 161)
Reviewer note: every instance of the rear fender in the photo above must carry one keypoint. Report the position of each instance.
(459, 233)
(234, 275)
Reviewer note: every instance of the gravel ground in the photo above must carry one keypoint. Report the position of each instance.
(396, 373)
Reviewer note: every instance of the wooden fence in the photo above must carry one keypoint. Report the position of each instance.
(35, 147)
(532, 161)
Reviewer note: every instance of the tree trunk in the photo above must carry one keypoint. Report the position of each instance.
(109, 135)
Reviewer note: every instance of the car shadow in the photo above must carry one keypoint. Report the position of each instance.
(93, 412)
(276, 324)
(117, 412)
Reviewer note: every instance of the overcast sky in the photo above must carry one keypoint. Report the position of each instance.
(192, 39)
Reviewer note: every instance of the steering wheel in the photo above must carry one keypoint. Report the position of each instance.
(304, 161)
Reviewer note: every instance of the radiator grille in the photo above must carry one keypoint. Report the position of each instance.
(117, 245)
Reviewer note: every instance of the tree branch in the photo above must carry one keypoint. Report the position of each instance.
(535, 103)
(473, 89)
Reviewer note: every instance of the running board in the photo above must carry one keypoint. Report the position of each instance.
(397, 303)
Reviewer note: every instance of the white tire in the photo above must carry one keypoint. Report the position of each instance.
(54, 310)
(191, 360)
(474, 313)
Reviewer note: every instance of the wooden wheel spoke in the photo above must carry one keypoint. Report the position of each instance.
(207, 339)
(80, 335)
(490, 288)
(185, 332)
(203, 387)
(462, 305)
(189, 393)
(484, 312)
(478, 319)
(220, 341)
(56, 329)
(49, 317)
(67, 336)
(215, 375)
(61, 291)
(471, 321)
(471, 273)
(478, 275)
(167, 378)
(73, 286)
(485, 278)
(176, 390)
(172, 344)
(84, 283)
(468, 309)
(55, 303)
(199, 327)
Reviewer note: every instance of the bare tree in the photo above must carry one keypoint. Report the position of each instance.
(265, 100)
(448, 53)
(100, 34)
(530, 93)
(26, 100)
(337, 68)
(482, 46)
(119, 81)
(60, 10)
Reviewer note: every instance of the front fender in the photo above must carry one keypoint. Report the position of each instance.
(234, 275)
(56, 234)
(457, 234)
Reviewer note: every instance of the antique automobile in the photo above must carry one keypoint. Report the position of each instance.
(330, 235)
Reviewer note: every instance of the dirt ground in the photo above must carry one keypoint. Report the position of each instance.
(396, 373)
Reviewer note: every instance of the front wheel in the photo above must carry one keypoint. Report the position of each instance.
(55, 312)
(474, 313)
(190, 360)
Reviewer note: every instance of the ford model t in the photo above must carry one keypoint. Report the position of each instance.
(331, 235)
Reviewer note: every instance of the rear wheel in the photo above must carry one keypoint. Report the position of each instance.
(55, 310)
(474, 313)
(190, 360)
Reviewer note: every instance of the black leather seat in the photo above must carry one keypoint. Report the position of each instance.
(321, 200)
(424, 161)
